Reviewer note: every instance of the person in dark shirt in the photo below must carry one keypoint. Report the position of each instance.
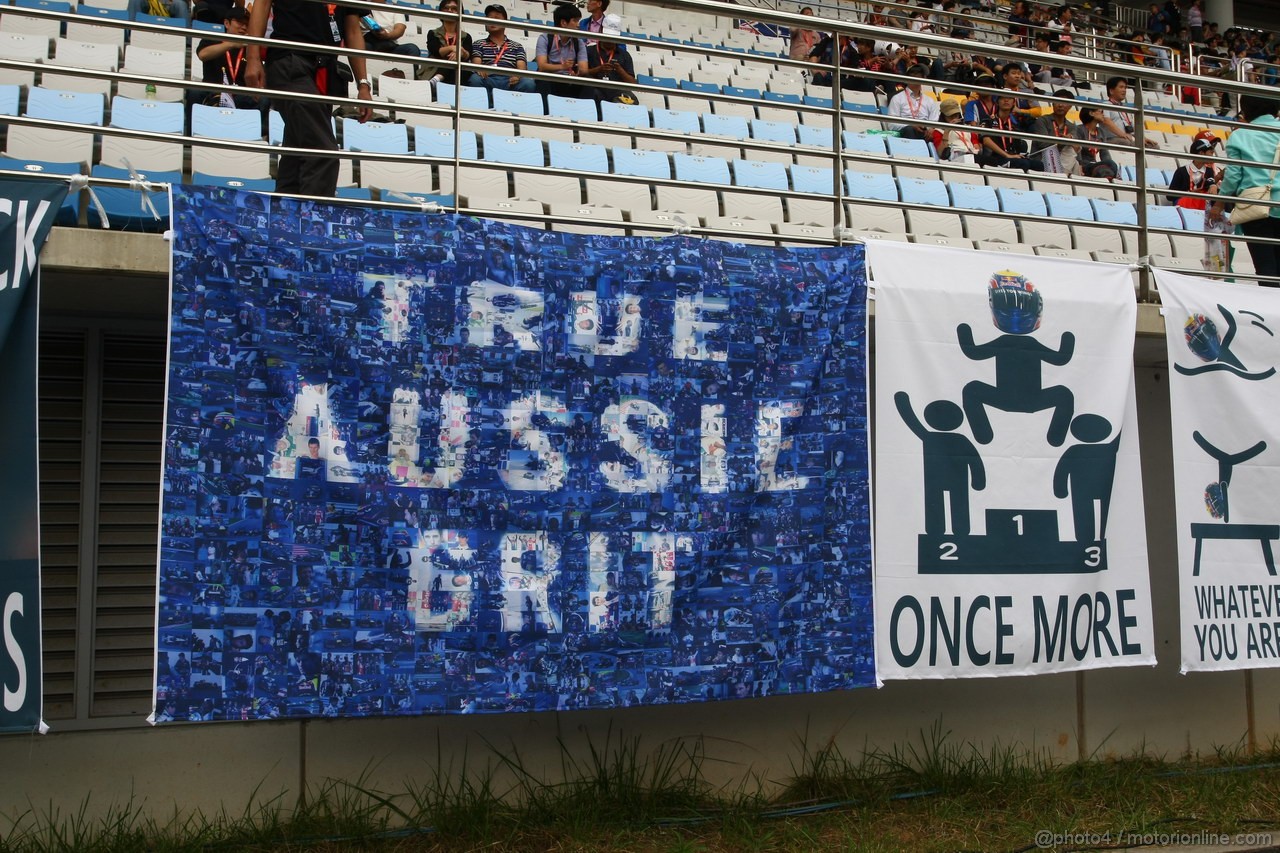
(607, 61)
(224, 63)
(445, 42)
(1002, 150)
(307, 124)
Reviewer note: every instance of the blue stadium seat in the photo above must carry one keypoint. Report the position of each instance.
(865, 185)
(1027, 202)
(700, 86)
(815, 101)
(911, 149)
(208, 26)
(1163, 216)
(740, 92)
(47, 5)
(664, 82)
(819, 137)
(9, 100)
(863, 143)
(773, 131)
(440, 142)
(922, 191)
(627, 115)
(69, 213)
(354, 193)
(158, 20)
(473, 97)
(515, 150)
(69, 107)
(1069, 207)
(574, 109)
(641, 164)
(759, 173)
(783, 98)
(1192, 220)
(101, 13)
(973, 197)
(225, 123)
(155, 116)
(734, 127)
(812, 179)
(702, 170)
(579, 156)
(123, 205)
(677, 120)
(519, 103)
(1118, 212)
(259, 185)
(375, 136)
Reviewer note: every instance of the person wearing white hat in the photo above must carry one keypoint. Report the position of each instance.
(606, 60)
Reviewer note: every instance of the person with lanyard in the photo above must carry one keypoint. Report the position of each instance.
(1008, 152)
(446, 43)
(1202, 176)
(911, 103)
(1094, 159)
(982, 105)
(562, 53)
(594, 22)
(606, 62)
(1059, 158)
(495, 56)
(307, 124)
(223, 63)
(1114, 123)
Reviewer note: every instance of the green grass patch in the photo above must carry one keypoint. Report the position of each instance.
(931, 794)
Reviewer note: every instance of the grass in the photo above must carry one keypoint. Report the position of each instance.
(931, 794)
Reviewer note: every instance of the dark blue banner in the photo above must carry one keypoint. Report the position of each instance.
(418, 463)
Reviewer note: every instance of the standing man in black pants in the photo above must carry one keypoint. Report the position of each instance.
(307, 124)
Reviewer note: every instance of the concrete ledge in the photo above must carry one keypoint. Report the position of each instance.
(96, 250)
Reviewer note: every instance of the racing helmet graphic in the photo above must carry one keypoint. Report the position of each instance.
(1016, 305)
(1201, 334)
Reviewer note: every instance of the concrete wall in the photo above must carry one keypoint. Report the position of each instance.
(1107, 713)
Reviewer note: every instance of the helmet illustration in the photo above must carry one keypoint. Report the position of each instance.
(1016, 305)
(1202, 337)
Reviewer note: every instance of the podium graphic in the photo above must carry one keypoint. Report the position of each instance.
(1016, 540)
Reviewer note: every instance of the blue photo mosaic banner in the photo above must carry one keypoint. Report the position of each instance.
(422, 464)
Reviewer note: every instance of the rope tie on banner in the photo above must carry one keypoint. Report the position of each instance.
(138, 182)
(81, 182)
(427, 206)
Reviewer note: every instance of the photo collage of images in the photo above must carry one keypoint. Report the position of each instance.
(421, 464)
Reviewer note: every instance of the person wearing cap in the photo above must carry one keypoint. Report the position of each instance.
(383, 30)
(606, 62)
(912, 105)
(496, 56)
(307, 124)
(955, 144)
(223, 63)
(983, 104)
(1005, 151)
(563, 53)
(1203, 176)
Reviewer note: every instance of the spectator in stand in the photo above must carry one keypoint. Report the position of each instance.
(877, 18)
(983, 104)
(1061, 75)
(957, 144)
(964, 69)
(1195, 21)
(1114, 123)
(1157, 21)
(594, 22)
(1040, 72)
(822, 54)
(914, 106)
(1013, 77)
(867, 59)
(1202, 176)
(382, 31)
(1062, 22)
(497, 57)
(803, 40)
(223, 62)
(307, 124)
(445, 42)
(1257, 142)
(606, 62)
(1004, 151)
(908, 57)
(1160, 56)
(160, 8)
(562, 53)
(1019, 23)
(1060, 158)
(1094, 159)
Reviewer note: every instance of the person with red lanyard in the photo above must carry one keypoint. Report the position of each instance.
(607, 61)
(1005, 151)
(915, 106)
(1203, 176)
(445, 42)
(562, 53)
(291, 68)
(223, 63)
(496, 57)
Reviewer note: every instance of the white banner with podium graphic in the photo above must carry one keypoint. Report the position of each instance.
(1225, 418)
(1009, 521)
